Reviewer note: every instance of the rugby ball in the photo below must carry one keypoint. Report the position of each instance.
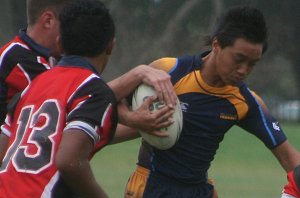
(140, 95)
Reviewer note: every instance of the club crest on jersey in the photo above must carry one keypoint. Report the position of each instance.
(184, 106)
(275, 126)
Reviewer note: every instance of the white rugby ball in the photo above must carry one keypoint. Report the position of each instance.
(141, 93)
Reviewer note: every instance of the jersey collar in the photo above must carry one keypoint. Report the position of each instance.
(45, 52)
(76, 61)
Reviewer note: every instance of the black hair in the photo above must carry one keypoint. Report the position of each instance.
(241, 22)
(86, 28)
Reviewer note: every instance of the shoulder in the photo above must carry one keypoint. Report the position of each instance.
(183, 64)
(16, 52)
(254, 97)
(166, 63)
(14, 46)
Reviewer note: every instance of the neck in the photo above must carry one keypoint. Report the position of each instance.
(209, 72)
(37, 36)
(98, 62)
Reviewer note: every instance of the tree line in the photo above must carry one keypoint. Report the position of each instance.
(149, 29)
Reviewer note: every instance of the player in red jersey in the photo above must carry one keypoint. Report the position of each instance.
(29, 53)
(67, 114)
(292, 188)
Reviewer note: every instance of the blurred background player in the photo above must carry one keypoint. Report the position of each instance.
(68, 113)
(213, 98)
(29, 53)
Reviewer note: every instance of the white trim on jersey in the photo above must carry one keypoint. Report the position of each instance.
(5, 131)
(82, 84)
(87, 128)
(284, 195)
(8, 48)
(24, 72)
(39, 60)
(108, 108)
(49, 187)
(77, 106)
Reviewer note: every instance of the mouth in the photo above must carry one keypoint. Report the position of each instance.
(237, 79)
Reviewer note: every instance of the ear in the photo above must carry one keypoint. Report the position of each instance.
(215, 45)
(110, 46)
(48, 19)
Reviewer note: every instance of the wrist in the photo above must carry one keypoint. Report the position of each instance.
(125, 115)
(140, 73)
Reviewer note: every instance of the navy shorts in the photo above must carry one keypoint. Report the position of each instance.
(161, 187)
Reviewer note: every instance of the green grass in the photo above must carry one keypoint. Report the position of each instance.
(243, 167)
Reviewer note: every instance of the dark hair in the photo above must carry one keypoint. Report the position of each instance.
(36, 7)
(241, 22)
(86, 28)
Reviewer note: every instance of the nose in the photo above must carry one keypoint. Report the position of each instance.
(244, 69)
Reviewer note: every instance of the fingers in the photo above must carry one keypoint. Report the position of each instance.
(163, 114)
(159, 133)
(162, 119)
(152, 116)
(161, 81)
(165, 91)
(149, 100)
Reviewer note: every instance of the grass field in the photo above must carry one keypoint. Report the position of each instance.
(243, 167)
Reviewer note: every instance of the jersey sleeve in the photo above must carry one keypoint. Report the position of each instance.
(18, 67)
(261, 123)
(167, 64)
(93, 110)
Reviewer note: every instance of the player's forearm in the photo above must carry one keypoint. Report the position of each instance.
(125, 84)
(72, 163)
(80, 179)
(287, 155)
(124, 133)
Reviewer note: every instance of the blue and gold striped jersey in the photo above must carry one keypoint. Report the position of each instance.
(208, 113)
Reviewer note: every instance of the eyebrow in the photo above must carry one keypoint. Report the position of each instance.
(246, 57)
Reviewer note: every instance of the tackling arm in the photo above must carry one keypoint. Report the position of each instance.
(160, 80)
(73, 164)
(287, 155)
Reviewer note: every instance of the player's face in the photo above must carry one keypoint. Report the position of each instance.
(53, 38)
(234, 63)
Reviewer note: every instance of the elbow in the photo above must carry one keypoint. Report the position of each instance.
(65, 164)
(62, 164)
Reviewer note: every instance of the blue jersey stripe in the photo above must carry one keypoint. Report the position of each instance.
(174, 68)
(265, 122)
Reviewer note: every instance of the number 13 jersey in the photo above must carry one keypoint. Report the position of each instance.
(71, 95)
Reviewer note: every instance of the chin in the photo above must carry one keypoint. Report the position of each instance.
(231, 83)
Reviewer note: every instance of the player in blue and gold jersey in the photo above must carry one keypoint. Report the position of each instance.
(213, 98)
